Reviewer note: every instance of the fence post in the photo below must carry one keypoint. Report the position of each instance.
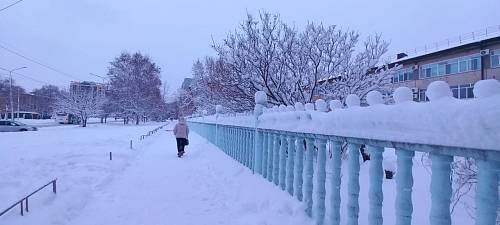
(260, 103)
(54, 186)
(130, 144)
(218, 110)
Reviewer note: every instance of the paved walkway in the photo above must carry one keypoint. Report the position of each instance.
(204, 187)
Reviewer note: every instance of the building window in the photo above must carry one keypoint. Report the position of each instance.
(451, 66)
(402, 75)
(474, 63)
(495, 58)
(463, 91)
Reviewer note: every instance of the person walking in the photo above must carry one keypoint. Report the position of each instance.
(181, 132)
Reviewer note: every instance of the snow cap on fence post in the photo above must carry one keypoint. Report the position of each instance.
(299, 106)
(402, 94)
(374, 98)
(261, 98)
(321, 105)
(486, 88)
(260, 103)
(352, 100)
(438, 90)
(309, 107)
(335, 104)
(218, 109)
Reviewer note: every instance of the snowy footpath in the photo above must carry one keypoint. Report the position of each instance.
(203, 187)
(147, 185)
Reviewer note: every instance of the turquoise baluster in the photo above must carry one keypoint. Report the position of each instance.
(308, 182)
(290, 164)
(282, 162)
(353, 185)
(336, 181)
(376, 196)
(404, 185)
(321, 181)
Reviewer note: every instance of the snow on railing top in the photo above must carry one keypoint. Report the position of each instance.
(444, 120)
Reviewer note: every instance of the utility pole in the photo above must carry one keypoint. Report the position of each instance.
(17, 103)
(10, 92)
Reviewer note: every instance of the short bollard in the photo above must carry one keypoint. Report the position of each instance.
(110, 156)
(130, 144)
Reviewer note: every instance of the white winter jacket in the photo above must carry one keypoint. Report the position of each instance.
(181, 129)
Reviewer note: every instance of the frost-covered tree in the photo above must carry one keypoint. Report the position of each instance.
(83, 104)
(266, 54)
(135, 87)
(48, 94)
(362, 73)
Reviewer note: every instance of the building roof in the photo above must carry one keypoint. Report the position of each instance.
(469, 45)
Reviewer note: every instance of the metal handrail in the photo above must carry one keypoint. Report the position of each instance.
(142, 137)
(25, 206)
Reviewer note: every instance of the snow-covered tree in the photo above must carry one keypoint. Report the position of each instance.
(83, 104)
(361, 73)
(135, 87)
(49, 94)
(266, 54)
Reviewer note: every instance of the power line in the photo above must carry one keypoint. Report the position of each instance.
(38, 62)
(25, 76)
(4, 8)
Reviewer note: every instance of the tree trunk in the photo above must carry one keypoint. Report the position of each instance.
(84, 122)
(137, 120)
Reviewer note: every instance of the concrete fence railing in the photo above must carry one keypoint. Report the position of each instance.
(288, 146)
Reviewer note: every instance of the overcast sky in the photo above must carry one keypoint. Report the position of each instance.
(79, 37)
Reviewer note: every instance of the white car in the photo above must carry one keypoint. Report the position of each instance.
(9, 126)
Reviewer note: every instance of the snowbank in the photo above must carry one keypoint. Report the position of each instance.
(446, 121)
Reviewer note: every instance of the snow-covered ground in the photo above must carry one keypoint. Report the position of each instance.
(147, 185)
(77, 157)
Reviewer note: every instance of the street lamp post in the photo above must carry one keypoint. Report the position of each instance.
(10, 93)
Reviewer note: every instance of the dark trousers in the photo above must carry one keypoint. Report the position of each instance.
(181, 143)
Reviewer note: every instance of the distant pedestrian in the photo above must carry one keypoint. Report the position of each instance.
(181, 132)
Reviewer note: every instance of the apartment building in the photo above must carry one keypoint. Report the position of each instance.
(460, 66)
(87, 87)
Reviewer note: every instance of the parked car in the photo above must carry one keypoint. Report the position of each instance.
(9, 126)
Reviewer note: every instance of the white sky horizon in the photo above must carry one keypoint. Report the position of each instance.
(82, 37)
